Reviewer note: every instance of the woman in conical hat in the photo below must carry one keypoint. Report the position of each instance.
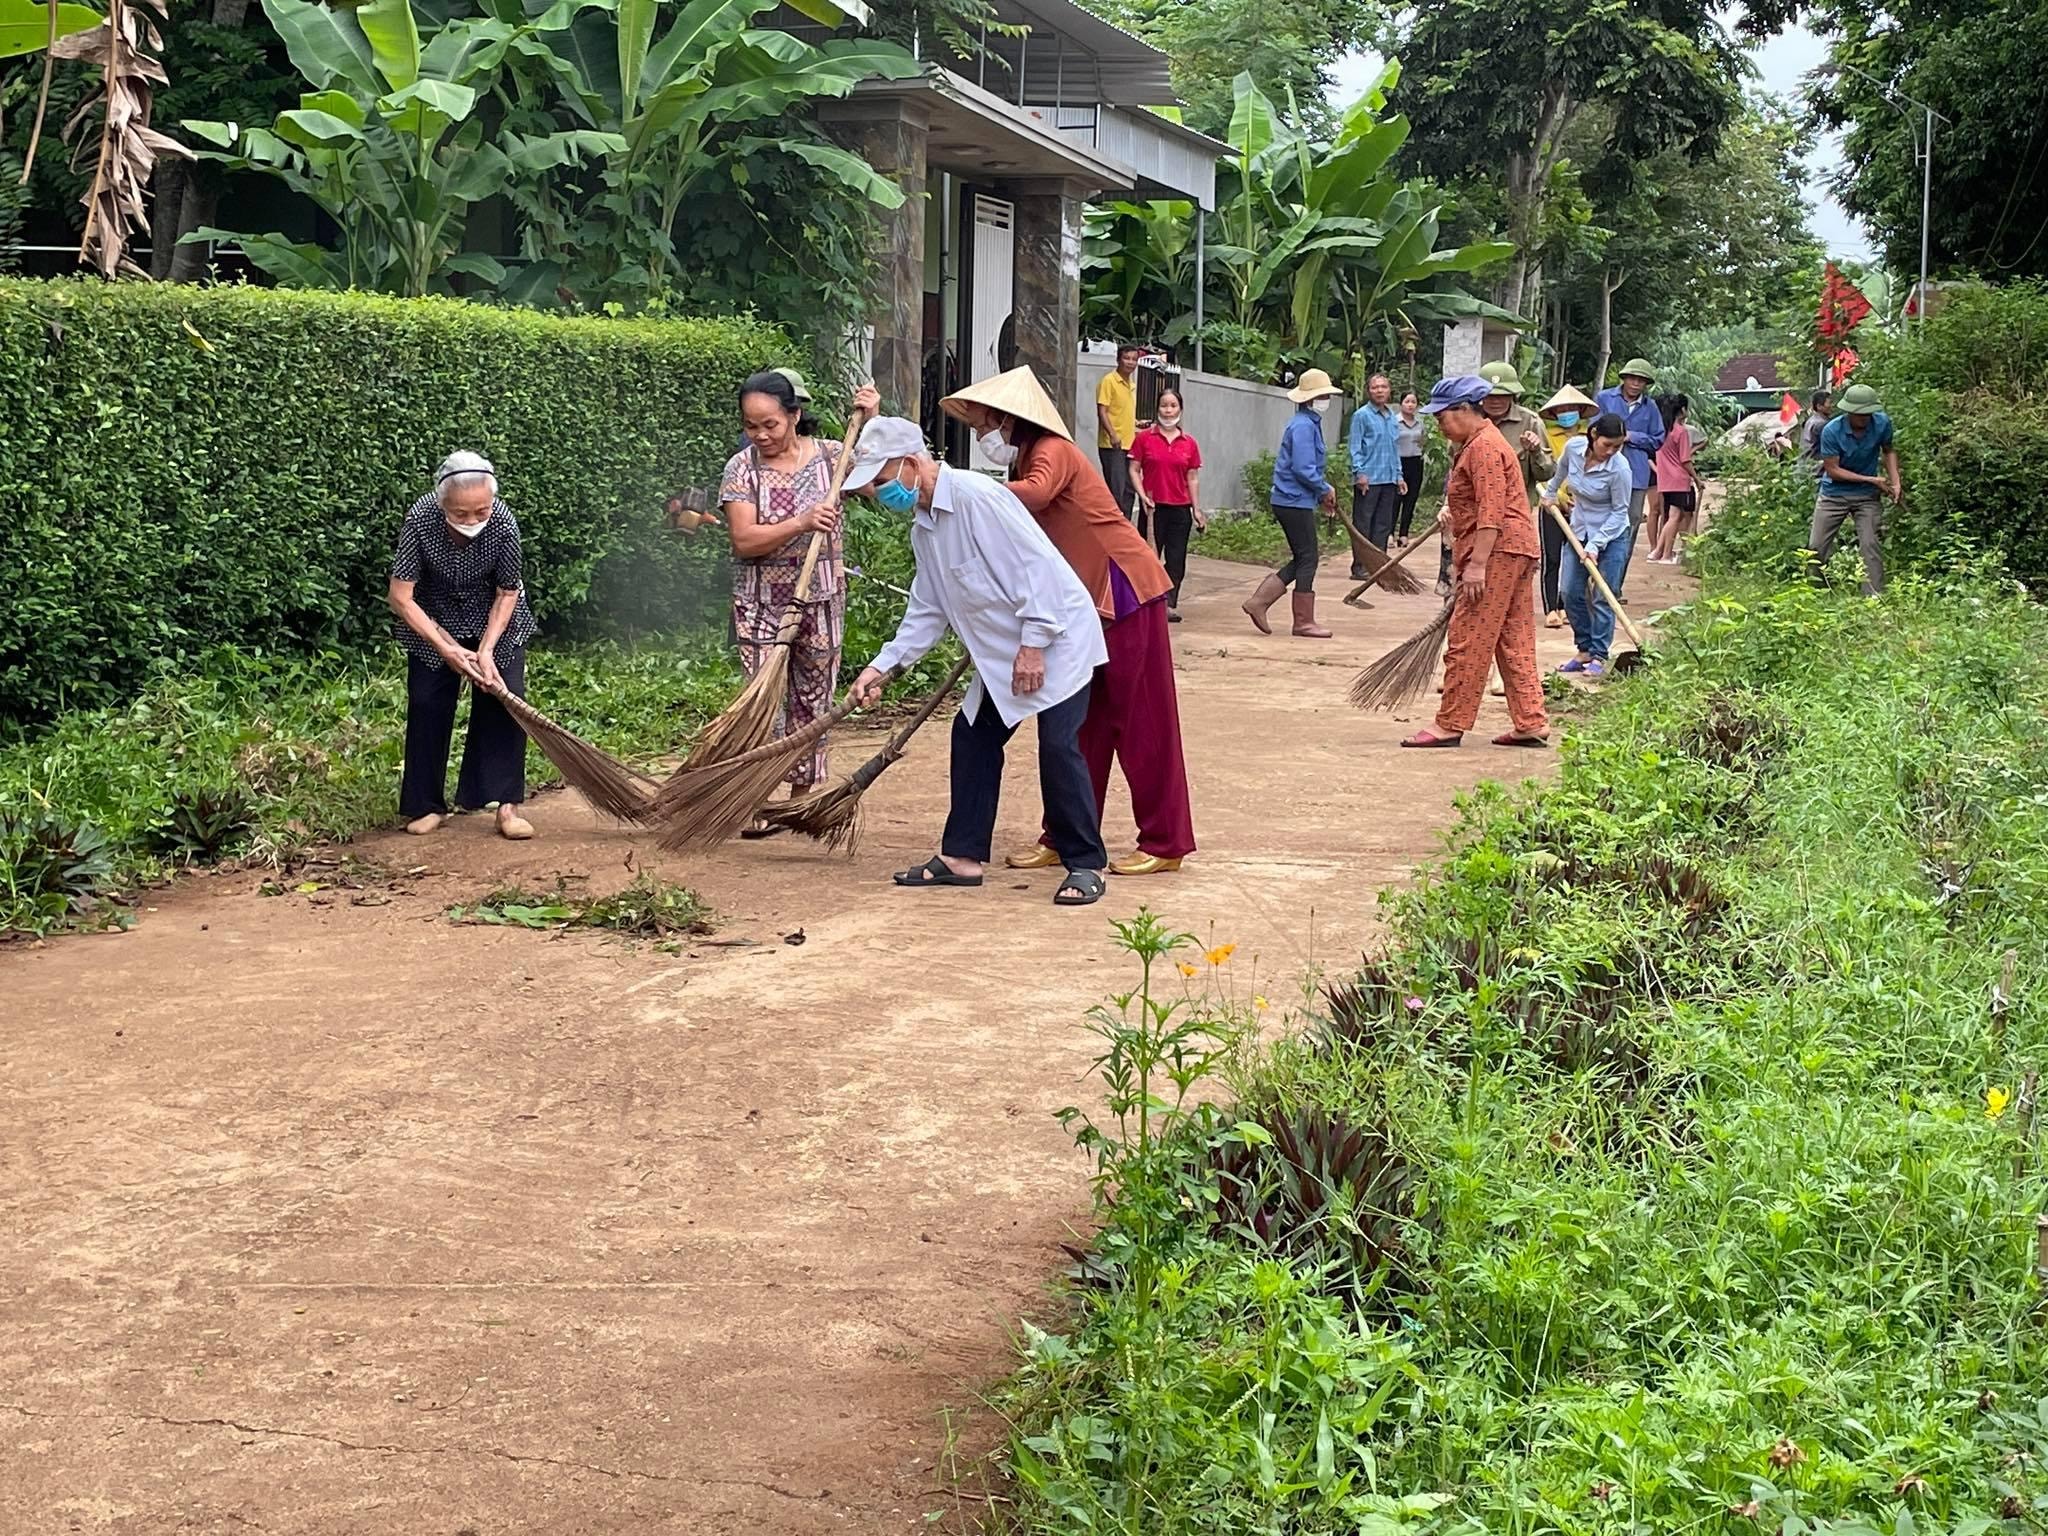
(1133, 713)
(1566, 415)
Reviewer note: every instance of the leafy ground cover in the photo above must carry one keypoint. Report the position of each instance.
(1673, 1169)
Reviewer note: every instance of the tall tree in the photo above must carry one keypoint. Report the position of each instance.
(1503, 88)
(1984, 67)
(1288, 47)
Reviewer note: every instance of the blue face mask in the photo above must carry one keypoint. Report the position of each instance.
(1567, 418)
(895, 496)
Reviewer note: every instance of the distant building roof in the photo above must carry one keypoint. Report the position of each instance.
(1736, 373)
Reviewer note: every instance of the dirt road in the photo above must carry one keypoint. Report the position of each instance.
(339, 1218)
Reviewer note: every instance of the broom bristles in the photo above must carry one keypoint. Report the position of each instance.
(746, 723)
(1405, 671)
(608, 784)
(705, 806)
(1389, 574)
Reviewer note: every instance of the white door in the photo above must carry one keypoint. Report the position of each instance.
(995, 279)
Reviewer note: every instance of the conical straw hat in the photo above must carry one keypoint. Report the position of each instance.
(1016, 393)
(1566, 399)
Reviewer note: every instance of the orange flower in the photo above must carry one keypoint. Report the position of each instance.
(1188, 970)
(1221, 953)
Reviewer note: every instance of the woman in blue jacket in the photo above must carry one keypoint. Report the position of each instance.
(1300, 486)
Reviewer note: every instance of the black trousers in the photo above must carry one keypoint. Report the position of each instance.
(1299, 524)
(1412, 472)
(1073, 823)
(493, 753)
(1172, 527)
(1372, 513)
(1116, 469)
(1553, 559)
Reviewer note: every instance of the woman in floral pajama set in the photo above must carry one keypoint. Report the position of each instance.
(776, 494)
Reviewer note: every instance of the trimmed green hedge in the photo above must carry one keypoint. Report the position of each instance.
(186, 467)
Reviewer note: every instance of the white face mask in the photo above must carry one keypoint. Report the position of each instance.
(470, 530)
(996, 450)
(1320, 407)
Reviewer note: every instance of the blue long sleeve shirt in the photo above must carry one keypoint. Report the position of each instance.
(1645, 425)
(1600, 494)
(1375, 450)
(1299, 479)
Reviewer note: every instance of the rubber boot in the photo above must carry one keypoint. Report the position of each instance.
(1305, 624)
(1267, 594)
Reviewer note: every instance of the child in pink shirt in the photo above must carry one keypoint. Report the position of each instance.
(1677, 486)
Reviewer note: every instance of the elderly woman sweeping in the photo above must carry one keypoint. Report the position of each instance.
(459, 592)
(776, 494)
(986, 571)
(1133, 710)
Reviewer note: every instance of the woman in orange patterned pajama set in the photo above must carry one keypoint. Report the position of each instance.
(1495, 550)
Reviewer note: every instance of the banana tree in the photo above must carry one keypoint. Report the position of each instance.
(1318, 233)
(669, 109)
(1137, 265)
(33, 26)
(390, 143)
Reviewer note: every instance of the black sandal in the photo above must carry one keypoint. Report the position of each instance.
(933, 872)
(1087, 881)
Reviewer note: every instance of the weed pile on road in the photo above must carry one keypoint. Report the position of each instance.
(1675, 1167)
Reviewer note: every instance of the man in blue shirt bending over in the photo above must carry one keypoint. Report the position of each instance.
(1857, 438)
(1375, 472)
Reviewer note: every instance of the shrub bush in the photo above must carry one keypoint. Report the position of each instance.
(182, 467)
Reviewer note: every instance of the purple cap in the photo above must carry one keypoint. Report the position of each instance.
(1465, 389)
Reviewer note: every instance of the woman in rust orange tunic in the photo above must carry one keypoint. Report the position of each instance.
(1133, 712)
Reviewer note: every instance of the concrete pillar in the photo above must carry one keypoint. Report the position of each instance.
(1048, 290)
(890, 135)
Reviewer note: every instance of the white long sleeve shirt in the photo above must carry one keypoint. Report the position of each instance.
(987, 571)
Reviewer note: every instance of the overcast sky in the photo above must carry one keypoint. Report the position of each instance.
(1780, 64)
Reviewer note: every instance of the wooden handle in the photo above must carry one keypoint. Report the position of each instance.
(1593, 569)
(1392, 560)
(926, 709)
(854, 422)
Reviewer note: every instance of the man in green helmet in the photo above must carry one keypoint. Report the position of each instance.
(1630, 400)
(1854, 445)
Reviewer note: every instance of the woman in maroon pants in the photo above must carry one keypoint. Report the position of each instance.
(1133, 712)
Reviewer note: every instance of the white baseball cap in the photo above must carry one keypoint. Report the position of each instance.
(883, 439)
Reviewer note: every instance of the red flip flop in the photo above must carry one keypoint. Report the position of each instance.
(1513, 740)
(1425, 739)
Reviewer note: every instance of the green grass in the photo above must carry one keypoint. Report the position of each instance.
(645, 909)
(255, 757)
(1251, 538)
(1671, 1171)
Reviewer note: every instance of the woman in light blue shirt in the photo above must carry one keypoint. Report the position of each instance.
(1597, 470)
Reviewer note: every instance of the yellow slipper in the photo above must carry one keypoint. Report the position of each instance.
(1037, 856)
(514, 828)
(1142, 863)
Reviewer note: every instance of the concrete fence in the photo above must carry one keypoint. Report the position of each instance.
(1234, 422)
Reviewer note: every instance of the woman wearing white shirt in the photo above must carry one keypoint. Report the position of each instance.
(1597, 471)
(987, 571)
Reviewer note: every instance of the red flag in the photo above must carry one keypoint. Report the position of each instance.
(1788, 409)
(1842, 305)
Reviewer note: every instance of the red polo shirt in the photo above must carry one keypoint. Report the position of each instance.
(1163, 466)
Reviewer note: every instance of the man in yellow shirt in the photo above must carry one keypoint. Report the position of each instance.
(1116, 417)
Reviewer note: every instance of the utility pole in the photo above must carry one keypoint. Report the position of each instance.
(1924, 144)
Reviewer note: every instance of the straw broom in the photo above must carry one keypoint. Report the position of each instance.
(1383, 568)
(603, 780)
(702, 807)
(1390, 577)
(1405, 671)
(833, 817)
(750, 719)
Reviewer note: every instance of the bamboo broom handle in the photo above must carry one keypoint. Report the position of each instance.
(1392, 560)
(925, 710)
(794, 616)
(1593, 570)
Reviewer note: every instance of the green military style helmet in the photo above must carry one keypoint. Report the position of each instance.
(1641, 368)
(1503, 378)
(1858, 400)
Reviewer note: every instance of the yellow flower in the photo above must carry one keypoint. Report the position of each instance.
(1188, 970)
(1261, 1004)
(1221, 953)
(1995, 1100)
